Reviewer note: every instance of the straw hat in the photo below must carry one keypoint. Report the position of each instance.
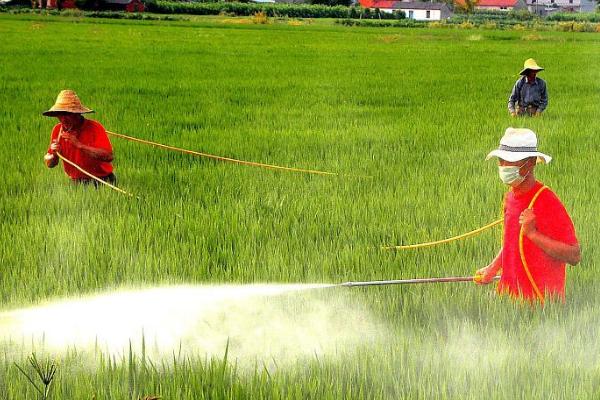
(530, 64)
(518, 144)
(67, 101)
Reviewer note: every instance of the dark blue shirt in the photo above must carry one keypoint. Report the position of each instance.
(528, 94)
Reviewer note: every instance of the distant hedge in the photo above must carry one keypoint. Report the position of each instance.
(73, 12)
(578, 17)
(404, 23)
(495, 16)
(513, 24)
(271, 10)
(332, 3)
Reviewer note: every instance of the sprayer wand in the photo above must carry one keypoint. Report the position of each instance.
(412, 281)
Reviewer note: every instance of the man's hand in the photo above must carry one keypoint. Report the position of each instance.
(513, 114)
(54, 147)
(50, 158)
(485, 275)
(527, 221)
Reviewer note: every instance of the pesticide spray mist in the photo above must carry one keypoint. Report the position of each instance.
(255, 322)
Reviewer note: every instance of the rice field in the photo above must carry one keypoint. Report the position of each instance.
(406, 116)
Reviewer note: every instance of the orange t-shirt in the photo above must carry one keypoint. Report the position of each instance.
(92, 134)
(553, 221)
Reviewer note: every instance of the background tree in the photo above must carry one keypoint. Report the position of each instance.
(467, 6)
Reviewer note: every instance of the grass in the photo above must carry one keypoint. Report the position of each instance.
(416, 109)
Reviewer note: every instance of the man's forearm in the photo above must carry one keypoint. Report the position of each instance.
(513, 98)
(98, 154)
(543, 104)
(558, 250)
(496, 265)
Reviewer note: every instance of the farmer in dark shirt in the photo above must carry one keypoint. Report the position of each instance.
(529, 95)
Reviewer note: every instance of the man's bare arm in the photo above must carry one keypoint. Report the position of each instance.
(96, 153)
(486, 275)
(558, 250)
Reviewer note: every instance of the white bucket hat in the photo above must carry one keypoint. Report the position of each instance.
(518, 144)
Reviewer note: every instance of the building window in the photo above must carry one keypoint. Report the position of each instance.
(570, 1)
(411, 14)
(428, 13)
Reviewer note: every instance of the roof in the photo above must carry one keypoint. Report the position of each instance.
(402, 5)
(420, 5)
(377, 3)
(492, 3)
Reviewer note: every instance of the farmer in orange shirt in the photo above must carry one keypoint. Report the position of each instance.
(80, 140)
(539, 237)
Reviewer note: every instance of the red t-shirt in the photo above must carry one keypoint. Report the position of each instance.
(92, 134)
(553, 221)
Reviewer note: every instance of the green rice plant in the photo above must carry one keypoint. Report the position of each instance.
(437, 24)
(564, 26)
(72, 12)
(260, 18)
(538, 26)
(583, 27)
(532, 37)
(466, 25)
(489, 25)
(44, 371)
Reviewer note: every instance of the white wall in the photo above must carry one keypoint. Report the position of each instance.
(421, 15)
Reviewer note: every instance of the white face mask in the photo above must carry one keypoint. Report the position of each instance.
(510, 175)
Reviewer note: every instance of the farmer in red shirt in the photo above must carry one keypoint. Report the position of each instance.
(539, 237)
(82, 141)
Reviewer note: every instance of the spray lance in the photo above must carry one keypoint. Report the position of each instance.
(412, 281)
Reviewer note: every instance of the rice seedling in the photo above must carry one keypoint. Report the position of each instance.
(44, 371)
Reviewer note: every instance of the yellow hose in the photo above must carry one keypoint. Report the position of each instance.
(227, 159)
(93, 176)
(452, 239)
